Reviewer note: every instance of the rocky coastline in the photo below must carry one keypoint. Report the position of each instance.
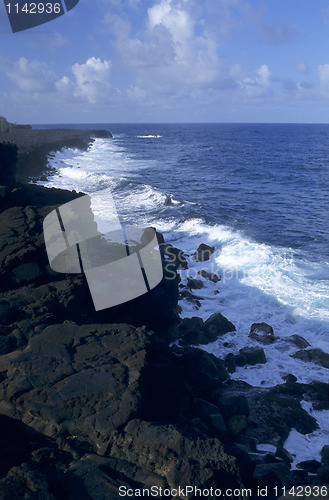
(34, 146)
(92, 402)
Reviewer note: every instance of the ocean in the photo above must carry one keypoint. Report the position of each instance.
(258, 193)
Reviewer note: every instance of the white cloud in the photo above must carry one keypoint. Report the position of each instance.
(175, 50)
(32, 76)
(259, 85)
(176, 20)
(91, 79)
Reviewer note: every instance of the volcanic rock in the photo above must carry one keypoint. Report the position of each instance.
(316, 356)
(209, 276)
(203, 252)
(217, 325)
(253, 355)
(194, 284)
(262, 332)
(298, 341)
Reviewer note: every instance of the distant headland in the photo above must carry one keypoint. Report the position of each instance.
(34, 145)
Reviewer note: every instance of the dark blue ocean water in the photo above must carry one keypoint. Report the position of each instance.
(269, 181)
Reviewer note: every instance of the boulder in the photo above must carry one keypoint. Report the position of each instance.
(262, 332)
(298, 341)
(310, 466)
(230, 362)
(209, 276)
(253, 355)
(217, 325)
(190, 297)
(190, 331)
(289, 378)
(316, 356)
(192, 283)
(203, 252)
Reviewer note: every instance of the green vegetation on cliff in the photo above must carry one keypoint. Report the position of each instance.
(6, 126)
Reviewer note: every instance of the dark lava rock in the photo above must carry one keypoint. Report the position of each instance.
(323, 471)
(262, 332)
(174, 258)
(217, 325)
(194, 284)
(274, 474)
(190, 331)
(203, 252)
(232, 403)
(253, 355)
(298, 341)
(193, 331)
(209, 276)
(34, 146)
(289, 378)
(190, 297)
(309, 466)
(206, 372)
(81, 381)
(97, 478)
(216, 422)
(138, 444)
(39, 295)
(230, 362)
(8, 158)
(316, 356)
(237, 424)
(325, 455)
(273, 413)
(32, 466)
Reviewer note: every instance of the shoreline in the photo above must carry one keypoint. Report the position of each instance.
(34, 146)
(182, 398)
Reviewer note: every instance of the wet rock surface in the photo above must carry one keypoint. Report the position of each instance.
(316, 356)
(262, 332)
(203, 252)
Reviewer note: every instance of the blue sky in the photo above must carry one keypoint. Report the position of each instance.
(110, 61)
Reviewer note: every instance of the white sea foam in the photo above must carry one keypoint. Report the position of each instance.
(149, 136)
(308, 446)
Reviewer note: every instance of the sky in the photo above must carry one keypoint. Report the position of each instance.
(122, 61)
